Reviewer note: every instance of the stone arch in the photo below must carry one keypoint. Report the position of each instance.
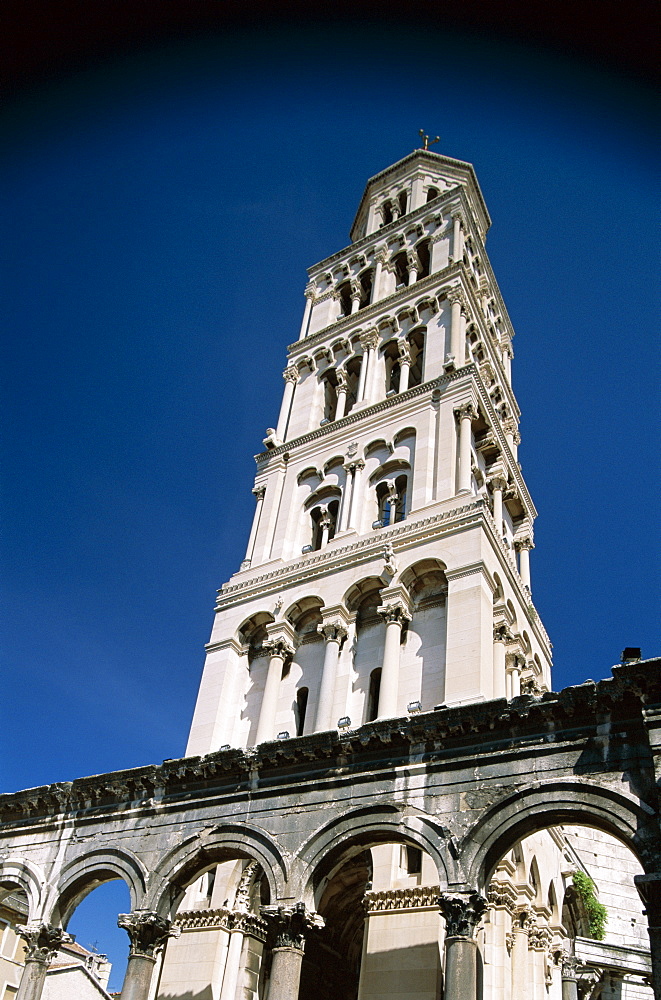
(84, 874)
(353, 832)
(552, 803)
(22, 874)
(186, 862)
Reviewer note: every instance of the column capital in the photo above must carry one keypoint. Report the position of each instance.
(462, 912)
(498, 481)
(310, 291)
(147, 930)
(569, 968)
(523, 544)
(466, 411)
(279, 647)
(291, 924)
(404, 351)
(332, 631)
(369, 340)
(381, 254)
(355, 466)
(259, 492)
(412, 260)
(357, 290)
(290, 374)
(43, 941)
(455, 293)
(502, 633)
(394, 613)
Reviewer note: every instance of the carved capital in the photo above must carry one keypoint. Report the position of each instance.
(523, 544)
(498, 482)
(353, 467)
(456, 294)
(291, 924)
(310, 292)
(502, 633)
(405, 352)
(394, 613)
(413, 261)
(369, 340)
(43, 941)
(357, 291)
(332, 631)
(148, 932)
(569, 968)
(290, 374)
(462, 912)
(466, 411)
(279, 647)
(381, 255)
(259, 492)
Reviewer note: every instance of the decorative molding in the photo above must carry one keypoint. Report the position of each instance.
(43, 941)
(222, 919)
(291, 924)
(503, 894)
(462, 912)
(148, 932)
(416, 897)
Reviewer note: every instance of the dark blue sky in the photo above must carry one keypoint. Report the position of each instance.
(159, 213)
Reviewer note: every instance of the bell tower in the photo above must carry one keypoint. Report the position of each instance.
(387, 569)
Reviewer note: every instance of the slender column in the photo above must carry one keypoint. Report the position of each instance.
(394, 615)
(523, 547)
(278, 649)
(457, 300)
(501, 633)
(465, 414)
(404, 366)
(148, 932)
(290, 376)
(521, 985)
(356, 296)
(350, 470)
(462, 912)
(513, 674)
(457, 239)
(413, 265)
(355, 494)
(649, 890)
(233, 960)
(380, 257)
(259, 493)
(309, 298)
(341, 395)
(369, 341)
(498, 485)
(569, 986)
(291, 924)
(333, 633)
(325, 525)
(43, 941)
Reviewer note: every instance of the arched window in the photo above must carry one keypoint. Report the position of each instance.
(366, 279)
(432, 193)
(392, 500)
(324, 523)
(422, 250)
(373, 695)
(402, 200)
(344, 293)
(393, 367)
(352, 372)
(400, 264)
(329, 380)
(417, 342)
(386, 212)
(300, 709)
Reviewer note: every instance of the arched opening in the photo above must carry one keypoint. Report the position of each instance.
(373, 695)
(432, 193)
(402, 200)
(329, 381)
(381, 923)
(566, 891)
(14, 912)
(391, 354)
(423, 657)
(392, 498)
(417, 344)
(324, 523)
(100, 948)
(352, 372)
(343, 293)
(422, 249)
(387, 213)
(400, 265)
(301, 709)
(362, 600)
(366, 279)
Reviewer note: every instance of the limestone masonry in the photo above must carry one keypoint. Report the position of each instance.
(382, 797)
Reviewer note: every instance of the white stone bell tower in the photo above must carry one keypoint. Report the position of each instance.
(387, 569)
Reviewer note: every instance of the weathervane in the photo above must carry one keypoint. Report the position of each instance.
(425, 139)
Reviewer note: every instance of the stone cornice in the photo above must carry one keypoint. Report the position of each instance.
(370, 547)
(429, 740)
(415, 897)
(222, 919)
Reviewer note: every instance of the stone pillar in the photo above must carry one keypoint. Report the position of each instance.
(413, 265)
(501, 634)
(521, 985)
(333, 633)
(369, 341)
(43, 941)
(380, 257)
(290, 376)
(148, 932)
(649, 890)
(233, 959)
(356, 296)
(279, 648)
(462, 912)
(291, 925)
(404, 366)
(394, 615)
(309, 298)
(457, 239)
(325, 525)
(341, 395)
(465, 414)
(259, 493)
(569, 986)
(513, 668)
(457, 300)
(498, 485)
(355, 493)
(523, 547)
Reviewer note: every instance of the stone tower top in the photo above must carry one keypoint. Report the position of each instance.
(409, 184)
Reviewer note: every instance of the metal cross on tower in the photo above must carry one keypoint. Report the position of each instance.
(426, 142)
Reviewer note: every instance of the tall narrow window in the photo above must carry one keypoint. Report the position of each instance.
(417, 344)
(401, 486)
(373, 695)
(300, 709)
(432, 193)
(352, 370)
(330, 395)
(403, 198)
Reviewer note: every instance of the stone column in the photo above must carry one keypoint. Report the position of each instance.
(309, 298)
(465, 414)
(404, 366)
(356, 296)
(369, 341)
(649, 890)
(501, 634)
(355, 493)
(236, 926)
(325, 525)
(569, 985)
(259, 493)
(521, 985)
(523, 547)
(513, 668)
(457, 239)
(291, 925)
(462, 912)
(413, 265)
(290, 376)
(341, 395)
(498, 485)
(333, 633)
(457, 300)
(148, 932)
(394, 615)
(279, 649)
(43, 941)
(380, 257)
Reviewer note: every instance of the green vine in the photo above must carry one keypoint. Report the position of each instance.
(597, 913)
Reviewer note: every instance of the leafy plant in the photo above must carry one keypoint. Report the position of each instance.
(596, 912)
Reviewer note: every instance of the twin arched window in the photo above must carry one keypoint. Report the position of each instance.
(392, 497)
